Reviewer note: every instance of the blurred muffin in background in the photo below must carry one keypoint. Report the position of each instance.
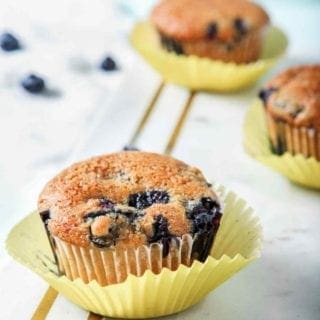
(230, 31)
(292, 105)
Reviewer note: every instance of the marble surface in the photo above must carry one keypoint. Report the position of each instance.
(93, 112)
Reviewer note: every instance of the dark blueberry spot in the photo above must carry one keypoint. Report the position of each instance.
(212, 30)
(265, 94)
(161, 233)
(144, 200)
(280, 147)
(203, 222)
(209, 184)
(45, 216)
(299, 109)
(240, 25)
(171, 45)
(102, 242)
(33, 83)
(130, 148)
(108, 64)
(8, 42)
(202, 245)
(204, 215)
(229, 46)
(130, 214)
(209, 204)
(92, 215)
(106, 203)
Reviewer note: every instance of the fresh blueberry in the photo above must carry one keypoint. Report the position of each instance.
(240, 25)
(212, 30)
(144, 200)
(108, 64)
(8, 42)
(33, 84)
(130, 148)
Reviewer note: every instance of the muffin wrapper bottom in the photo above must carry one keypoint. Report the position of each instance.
(206, 74)
(284, 137)
(110, 266)
(237, 243)
(297, 167)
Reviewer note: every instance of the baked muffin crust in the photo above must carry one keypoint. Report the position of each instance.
(293, 96)
(188, 20)
(128, 199)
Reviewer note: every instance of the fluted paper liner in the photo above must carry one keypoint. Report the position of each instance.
(109, 266)
(237, 243)
(298, 168)
(206, 74)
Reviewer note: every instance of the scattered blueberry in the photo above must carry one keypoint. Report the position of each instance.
(144, 200)
(33, 83)
(130, 148)
(8, 42)
(265, 94)
(212, 30)
(240, 25)
(108, 64)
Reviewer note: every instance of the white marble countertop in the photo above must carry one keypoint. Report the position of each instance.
(95, 112)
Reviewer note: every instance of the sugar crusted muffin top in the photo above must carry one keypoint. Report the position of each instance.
(128, 199)
(188, 20)
(293, 96)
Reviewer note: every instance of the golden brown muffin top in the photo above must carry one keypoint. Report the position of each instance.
(188, 20)
(127, 199)
(293, 96)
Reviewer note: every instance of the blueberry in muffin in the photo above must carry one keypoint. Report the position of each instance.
(231, 31)
(128, 212)
(292, 105)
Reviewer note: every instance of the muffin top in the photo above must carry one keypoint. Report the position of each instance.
(127, 199)
(293, 96)
(189, 20)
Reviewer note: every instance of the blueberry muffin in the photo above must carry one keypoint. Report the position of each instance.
(292, 105)
(127, 212)
(231, 31)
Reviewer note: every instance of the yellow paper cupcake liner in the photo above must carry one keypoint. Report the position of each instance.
(237, 243)
(299, 169)
(201, 73)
